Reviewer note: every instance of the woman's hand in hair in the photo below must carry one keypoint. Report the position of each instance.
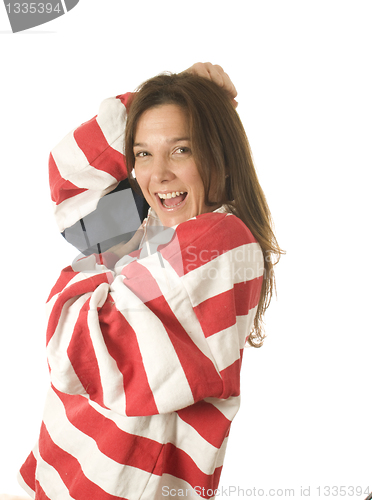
(215, 73)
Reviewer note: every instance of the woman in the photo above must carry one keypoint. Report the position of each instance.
(145, 341)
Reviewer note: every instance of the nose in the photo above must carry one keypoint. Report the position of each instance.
(161, 170)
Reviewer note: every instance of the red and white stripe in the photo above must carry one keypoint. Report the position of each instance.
(88, 163)
(144, 393)
(144, 359)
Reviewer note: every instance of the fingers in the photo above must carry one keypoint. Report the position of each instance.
(200, 69)
(215, 73)
(219, 76)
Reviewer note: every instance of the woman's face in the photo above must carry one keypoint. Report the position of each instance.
(164, 165)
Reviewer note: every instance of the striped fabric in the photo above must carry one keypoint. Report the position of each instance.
(145, 356)
(88, 163)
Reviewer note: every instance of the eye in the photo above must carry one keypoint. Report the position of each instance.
(141, 154)
(183, 150)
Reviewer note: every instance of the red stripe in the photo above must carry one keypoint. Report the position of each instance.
(40, 493)
(200, 416)
(231, 379)
(247, 295)
(124, 448)
(69, 469)
(120, 446)
(122, 344)
(91, 140)
(195, 364)
(141, 282)
(217, 313)
(135, 254)
(28, 471)
(65, 277)
(204, 238)
(216, 477)
(60, 188)
(178, 463)
(74, 290)
(83, 357)
(126, 98)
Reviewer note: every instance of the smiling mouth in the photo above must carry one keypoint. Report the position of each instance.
(172, 200)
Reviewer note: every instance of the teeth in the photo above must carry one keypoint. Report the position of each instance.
(170, 195)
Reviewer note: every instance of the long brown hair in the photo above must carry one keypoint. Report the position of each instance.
(221, 151)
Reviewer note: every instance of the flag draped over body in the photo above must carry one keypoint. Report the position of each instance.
(144, 352)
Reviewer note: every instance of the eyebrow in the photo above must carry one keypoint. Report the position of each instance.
(169, 141)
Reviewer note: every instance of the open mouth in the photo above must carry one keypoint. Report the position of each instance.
(172, 200)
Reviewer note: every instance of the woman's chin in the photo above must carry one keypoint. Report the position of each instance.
(169, 220)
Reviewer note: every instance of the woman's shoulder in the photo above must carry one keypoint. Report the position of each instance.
(220, 240)
(193, 244)
(218, 226)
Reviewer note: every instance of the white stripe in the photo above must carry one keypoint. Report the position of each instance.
(245, 324)
(69, 211)
(50, 304)
(112, 477)
(179, 302)
(176, 296)
(87, 265)
(25, 486)
(173, 487)
(187, 439)
(238, 265)
(76, 278)
(124, 261)
(225, 346)
(50, 480)
(112, 118)
(183, 435)
(164, 372)
(167, 428)
(227, 407)
(152, 488)
(163, 273)
(110, 376)
(221, 453)
(74, 166)
(62, 374)
(153, 427)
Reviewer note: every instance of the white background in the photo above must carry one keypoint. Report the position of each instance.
(303, 73)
